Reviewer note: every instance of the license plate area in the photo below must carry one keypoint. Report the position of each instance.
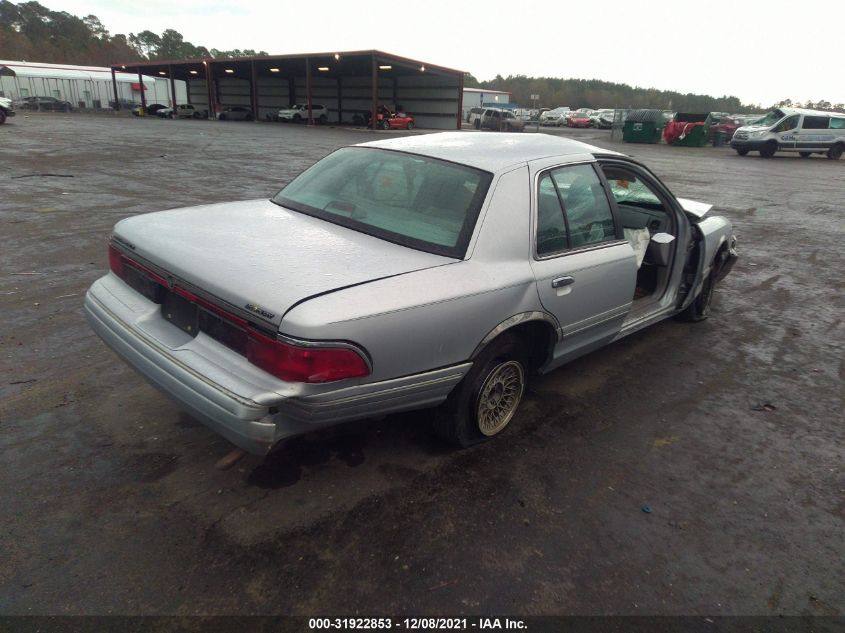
(180, 312)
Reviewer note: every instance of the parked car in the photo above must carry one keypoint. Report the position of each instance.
(150, 110)
(578, 119)
(474, 117)
(602, 119)
(235, 113)
(189, 111)
(299, 112)
(125, 104)
(182, 111)
(398, 121)
(382, 113)
(44, 104)
(728, 125)
(554, 117)
(428, 271)
(6, 109)
(807, 132)
(500, 120)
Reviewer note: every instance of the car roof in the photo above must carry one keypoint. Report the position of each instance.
(487, 150)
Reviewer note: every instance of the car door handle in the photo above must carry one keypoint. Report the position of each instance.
(560, 282)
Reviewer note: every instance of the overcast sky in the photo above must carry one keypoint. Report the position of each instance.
(761, 52)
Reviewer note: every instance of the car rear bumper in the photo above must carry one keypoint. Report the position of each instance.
(250, 408)
(10, 113)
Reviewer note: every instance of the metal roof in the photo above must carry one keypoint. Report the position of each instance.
(488, 92)
(486, 150)
(58, 71)
(269, 58)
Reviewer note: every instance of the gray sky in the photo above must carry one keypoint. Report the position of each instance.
(761, 52)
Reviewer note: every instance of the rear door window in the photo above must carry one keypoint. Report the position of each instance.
(572, 210)
(815, 123)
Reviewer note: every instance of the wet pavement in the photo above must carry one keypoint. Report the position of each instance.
(730, 430)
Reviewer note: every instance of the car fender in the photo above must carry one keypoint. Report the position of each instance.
(713, 233)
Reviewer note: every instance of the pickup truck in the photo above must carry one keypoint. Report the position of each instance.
(6, 109)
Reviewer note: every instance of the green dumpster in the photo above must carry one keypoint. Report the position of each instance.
(643, 126)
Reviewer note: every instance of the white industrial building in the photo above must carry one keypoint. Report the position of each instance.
(481, 97)
(83, 86)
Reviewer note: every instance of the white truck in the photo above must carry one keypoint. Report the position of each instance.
(6, 109)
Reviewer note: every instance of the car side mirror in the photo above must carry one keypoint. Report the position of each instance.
(660, 248)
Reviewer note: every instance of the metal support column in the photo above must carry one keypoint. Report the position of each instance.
(308, 90)
(253, 90)
(460, 100)
(339, 99)
(209, 89)
(374, 109)
(114, 89)
(141, 87)
(172, 87)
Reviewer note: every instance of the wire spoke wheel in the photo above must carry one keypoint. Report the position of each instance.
(499, 397)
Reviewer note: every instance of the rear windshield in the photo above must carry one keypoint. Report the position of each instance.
(416, 201)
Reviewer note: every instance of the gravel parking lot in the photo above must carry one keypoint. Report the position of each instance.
(729, 430)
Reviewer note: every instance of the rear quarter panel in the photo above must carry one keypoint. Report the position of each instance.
(438, 316)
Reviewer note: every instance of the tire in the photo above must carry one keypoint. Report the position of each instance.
(385, 125)
(323, 119)
(835, 152)
(742, 152)
(471, 413)
(477, 124)
(805, 154)
(410, 125)
(297, 118)
(769, 149)
(2, 117)
(699, 309)
(222, 117)
(248, 117)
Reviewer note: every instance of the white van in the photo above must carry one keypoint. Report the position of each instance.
(793, 130)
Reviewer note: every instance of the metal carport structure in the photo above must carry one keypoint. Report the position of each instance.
(347, 83)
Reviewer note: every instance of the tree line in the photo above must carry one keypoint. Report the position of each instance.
(594, 93)
(32, 32)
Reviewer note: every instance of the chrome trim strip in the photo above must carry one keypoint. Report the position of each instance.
(582, 249)
(609, 315)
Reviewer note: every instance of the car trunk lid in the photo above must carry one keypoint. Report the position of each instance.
(258, 256)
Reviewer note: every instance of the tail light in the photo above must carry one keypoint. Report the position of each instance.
(116, 262)
(289, 361)
(296, 363)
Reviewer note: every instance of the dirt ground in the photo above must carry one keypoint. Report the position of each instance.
(730, 430)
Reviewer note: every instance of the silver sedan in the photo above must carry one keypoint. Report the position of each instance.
(432, 271)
